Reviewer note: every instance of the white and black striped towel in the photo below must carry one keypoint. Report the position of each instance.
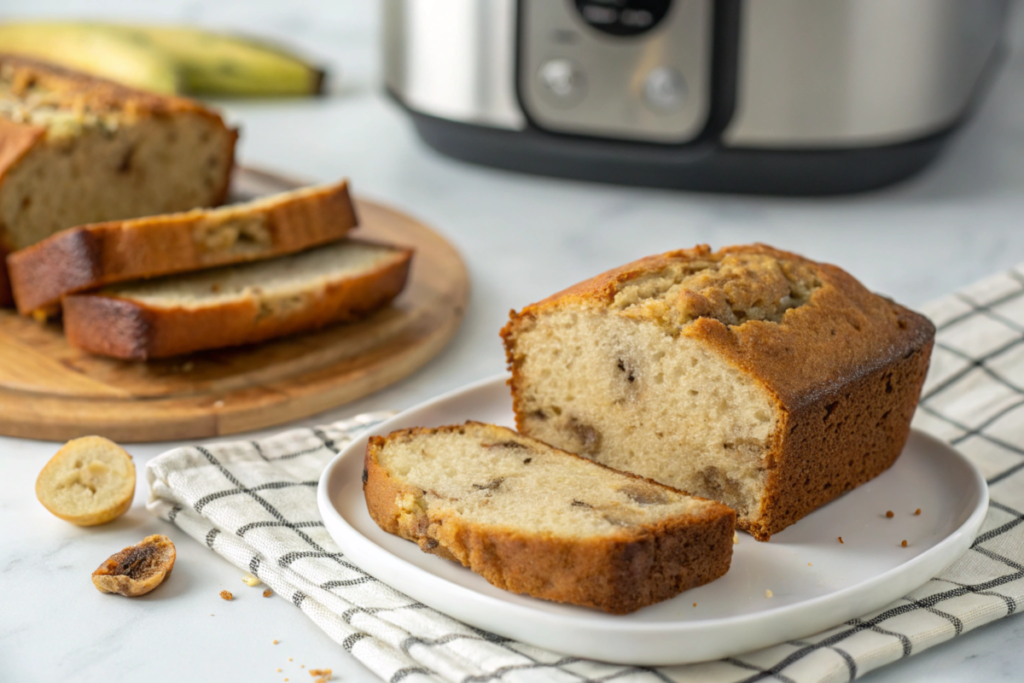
(255, 503)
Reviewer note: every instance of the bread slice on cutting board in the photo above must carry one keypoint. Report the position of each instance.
(533, 519)
(76, 149)
(90, 256)
(230, 306)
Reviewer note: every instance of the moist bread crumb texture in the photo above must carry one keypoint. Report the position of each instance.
(749, 375)
(90, 256)
(102, 150)
(532, 519)
(339, 282)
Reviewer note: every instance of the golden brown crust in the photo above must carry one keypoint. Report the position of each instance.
(77, 91)
(124, 328)
(639, 566)
(90, 256)
(839, 350)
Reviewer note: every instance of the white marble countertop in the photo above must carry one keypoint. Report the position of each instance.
(523, 237)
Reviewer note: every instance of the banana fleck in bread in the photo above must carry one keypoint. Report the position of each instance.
(76, 149)
(234, 305)
(749, 375)
(533, 519)
(90, 256)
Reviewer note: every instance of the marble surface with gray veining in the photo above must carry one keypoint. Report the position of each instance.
(523, 237)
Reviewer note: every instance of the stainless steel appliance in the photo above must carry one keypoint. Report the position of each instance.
(764, 96)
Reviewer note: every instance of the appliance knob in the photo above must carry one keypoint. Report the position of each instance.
(562, 82)
(665, 89)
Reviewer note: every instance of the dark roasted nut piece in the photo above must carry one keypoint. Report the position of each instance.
(137, 569)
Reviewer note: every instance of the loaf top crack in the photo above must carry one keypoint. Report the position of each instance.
(64, 102)
(731, 287)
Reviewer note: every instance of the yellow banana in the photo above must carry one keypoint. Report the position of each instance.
(108, 54)
(166, 59)
(225, 65)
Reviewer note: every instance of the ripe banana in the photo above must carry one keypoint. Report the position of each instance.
(98, 52)
(226, 65)
(166, 59)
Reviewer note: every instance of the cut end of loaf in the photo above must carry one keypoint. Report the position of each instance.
(533, 519)
(628, 394)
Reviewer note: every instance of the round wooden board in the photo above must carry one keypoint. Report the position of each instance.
(53, 391)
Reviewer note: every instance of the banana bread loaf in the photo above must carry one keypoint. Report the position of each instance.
(90, 256)
(533, 519)
(75, 149)
(749, 375)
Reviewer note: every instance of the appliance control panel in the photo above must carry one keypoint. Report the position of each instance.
(628, 69)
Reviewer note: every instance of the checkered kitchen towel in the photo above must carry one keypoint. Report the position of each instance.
(255, 504)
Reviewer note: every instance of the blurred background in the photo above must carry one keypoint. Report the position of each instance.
(525, 235)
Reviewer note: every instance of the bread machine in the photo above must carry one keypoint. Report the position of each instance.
(761, 96)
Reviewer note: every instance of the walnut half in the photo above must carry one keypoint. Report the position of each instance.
(137, 569)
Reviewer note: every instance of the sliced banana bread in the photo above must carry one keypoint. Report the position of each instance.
(76, 149)
(749, 375)
(532, 519)
(235, 305)
(90, 256)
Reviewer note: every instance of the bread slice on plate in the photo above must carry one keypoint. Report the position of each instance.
(749, 375)
(532, 519)
(235, 305)
(90, 256)
(76, 149)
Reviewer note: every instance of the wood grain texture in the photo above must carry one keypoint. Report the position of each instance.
(52, 391)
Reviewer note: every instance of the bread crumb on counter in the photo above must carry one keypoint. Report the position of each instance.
(735, 538)
(768, 594)
(267, 593)
(321, 675)
(904, 544)
(889, 514)
(227, 595)
(840, 539)
(276, 642)
(250, 580)
(694, 604)
(917, 511)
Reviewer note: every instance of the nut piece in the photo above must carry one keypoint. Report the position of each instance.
(137, 569)
(89, 481)
(227, 595)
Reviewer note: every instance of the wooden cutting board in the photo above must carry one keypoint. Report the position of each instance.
(53, 391)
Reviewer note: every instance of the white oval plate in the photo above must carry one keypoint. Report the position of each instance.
(816, 582)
